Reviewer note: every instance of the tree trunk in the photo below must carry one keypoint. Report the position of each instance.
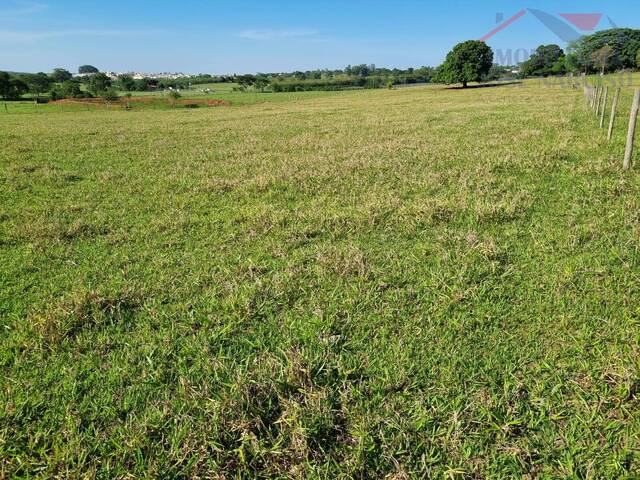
(464, 84)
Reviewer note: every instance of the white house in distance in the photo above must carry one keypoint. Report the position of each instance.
(138, 75)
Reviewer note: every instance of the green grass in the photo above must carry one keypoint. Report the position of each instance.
(235, 99)
(196, 91)
(414, 283)
(216, 87)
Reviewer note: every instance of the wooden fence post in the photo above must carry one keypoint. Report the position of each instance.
(628, 154)
(614, 111)
(598, 101)
(604, 106)
(600, 94)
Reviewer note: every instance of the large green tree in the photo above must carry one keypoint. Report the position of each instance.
(11, 88)
(60, 75)
(87, 69)
(38, 83)
(98, 84)
(67, 89)
(246, 80)
(469, 61)
(621, 44)
(5, 84)
(261, 82)
(126, 83)
(545, 61)
(17, 89)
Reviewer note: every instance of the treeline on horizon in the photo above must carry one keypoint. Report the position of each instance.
(602, 52)
(63, 84)
(356, 76)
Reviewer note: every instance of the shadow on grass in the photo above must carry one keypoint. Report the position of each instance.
(485, 85)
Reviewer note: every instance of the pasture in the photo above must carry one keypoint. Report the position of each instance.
(197, 90)
(409, 283)
(157, 101)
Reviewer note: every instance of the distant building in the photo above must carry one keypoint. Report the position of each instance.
(139, 75)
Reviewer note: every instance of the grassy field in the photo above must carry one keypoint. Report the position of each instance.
(197, 90)
(414, 283)
(235, 99)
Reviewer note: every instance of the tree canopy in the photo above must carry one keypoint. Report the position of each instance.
(126, 82)
(38, 83)
(469, 61)
(67, 89)
(546, 60)
(11, 88)
(98, 84)
(86, 69)
(5, 82)
(608, 50)
(60, 75)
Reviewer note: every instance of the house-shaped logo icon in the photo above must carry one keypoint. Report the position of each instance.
(568, 27)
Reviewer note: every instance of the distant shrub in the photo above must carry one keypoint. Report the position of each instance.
(68, 89)
(60, 75)
(373, 82)
(109, 95)
(328, 84)
(87, 69)
(174, 96)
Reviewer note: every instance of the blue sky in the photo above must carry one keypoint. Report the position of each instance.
(243, 36)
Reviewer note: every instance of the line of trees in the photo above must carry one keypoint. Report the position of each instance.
(357, 76)
(603, 52)
(606, 51)
(13, 87)
(61, 83)
(293, 85)
(58, 84)
(472, 61)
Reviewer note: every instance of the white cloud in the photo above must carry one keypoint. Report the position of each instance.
(37, 36)
(19, 9)
(277, 34)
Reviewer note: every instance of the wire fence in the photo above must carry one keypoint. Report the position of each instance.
(606, 103)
